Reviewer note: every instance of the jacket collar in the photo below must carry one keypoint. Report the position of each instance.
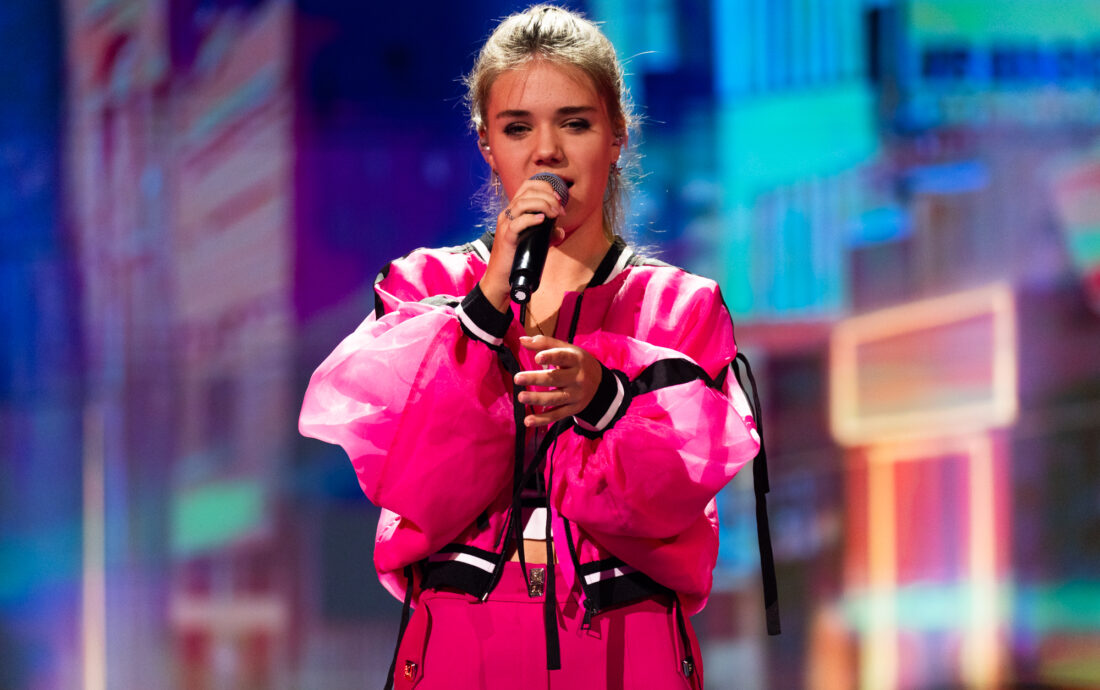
(613, 263)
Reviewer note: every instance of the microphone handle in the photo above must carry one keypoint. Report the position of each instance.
(534, 243)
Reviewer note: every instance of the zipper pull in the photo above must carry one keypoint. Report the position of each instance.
(589, 611)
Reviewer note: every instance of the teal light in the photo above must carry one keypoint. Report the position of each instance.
(781, 141)
(1004, 20)
(930, 607)
(215, 515)
(923, 607)
(1084, 245)
(780, 138)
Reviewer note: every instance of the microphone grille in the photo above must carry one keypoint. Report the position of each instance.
(557, 183)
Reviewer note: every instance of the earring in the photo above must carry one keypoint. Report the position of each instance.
(615, 169)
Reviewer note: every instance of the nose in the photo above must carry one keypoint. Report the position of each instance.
(548, 147)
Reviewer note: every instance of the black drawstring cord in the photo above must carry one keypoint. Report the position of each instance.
(511, 365)
(550, 601)
(405, 609)
(498, 568)
(761, 487)
(589, 602)
(687, 664)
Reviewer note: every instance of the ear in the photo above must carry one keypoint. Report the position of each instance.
(618, 143)
(483, 146)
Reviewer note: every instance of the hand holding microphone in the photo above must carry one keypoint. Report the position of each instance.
(533, 245)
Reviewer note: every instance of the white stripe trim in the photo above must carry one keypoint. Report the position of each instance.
(614, 407)
(620, 265)
(608, 574)
(468, 559)
(475, 329)
(481, 250)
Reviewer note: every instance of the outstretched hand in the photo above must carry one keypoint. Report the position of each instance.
(570, 374)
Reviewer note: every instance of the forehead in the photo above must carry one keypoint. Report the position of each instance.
(540, 84)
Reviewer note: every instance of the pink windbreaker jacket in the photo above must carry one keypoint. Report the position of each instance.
(421, 398)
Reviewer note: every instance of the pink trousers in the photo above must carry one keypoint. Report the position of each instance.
(456, 642)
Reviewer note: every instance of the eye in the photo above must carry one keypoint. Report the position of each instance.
(578, 125)
(515, 129)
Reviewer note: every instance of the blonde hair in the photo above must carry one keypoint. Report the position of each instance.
(564, 37)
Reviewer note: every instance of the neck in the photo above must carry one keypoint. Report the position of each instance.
(571, 264)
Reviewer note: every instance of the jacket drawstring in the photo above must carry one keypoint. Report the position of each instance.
(514, 522)
(405, 610)
(687, 664)
(761, 488)
(589, 601)
(550, 601)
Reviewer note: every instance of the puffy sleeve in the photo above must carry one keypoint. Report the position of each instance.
(641, 466)
(417, 398)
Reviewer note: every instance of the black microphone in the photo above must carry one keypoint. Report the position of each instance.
(534, 243)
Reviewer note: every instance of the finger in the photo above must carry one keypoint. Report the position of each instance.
(547, 378)
(548, 416)
(535, 203)
(551, 398)
(567, 357)
(537, 343)
(540, 189)
(517, 223)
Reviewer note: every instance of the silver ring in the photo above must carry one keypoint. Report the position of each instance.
(508, 213)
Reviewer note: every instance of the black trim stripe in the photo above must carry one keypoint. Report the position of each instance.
(601, 565)
(480, 319)
(463, 576)
(624, 589)
(720, 380)
(607, 265)
(455, 547)
(668, 372)
(379, 307)
(606, 396)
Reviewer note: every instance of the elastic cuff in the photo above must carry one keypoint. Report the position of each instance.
(607, 406)
(481, 320)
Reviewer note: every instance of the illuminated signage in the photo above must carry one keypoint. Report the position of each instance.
(930, 368)
(1017, 62)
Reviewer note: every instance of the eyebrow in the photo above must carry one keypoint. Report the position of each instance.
(566, 111)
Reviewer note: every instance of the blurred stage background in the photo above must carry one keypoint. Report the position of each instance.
(900, 199)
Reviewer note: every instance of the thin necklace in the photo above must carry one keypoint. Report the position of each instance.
(534, 319)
